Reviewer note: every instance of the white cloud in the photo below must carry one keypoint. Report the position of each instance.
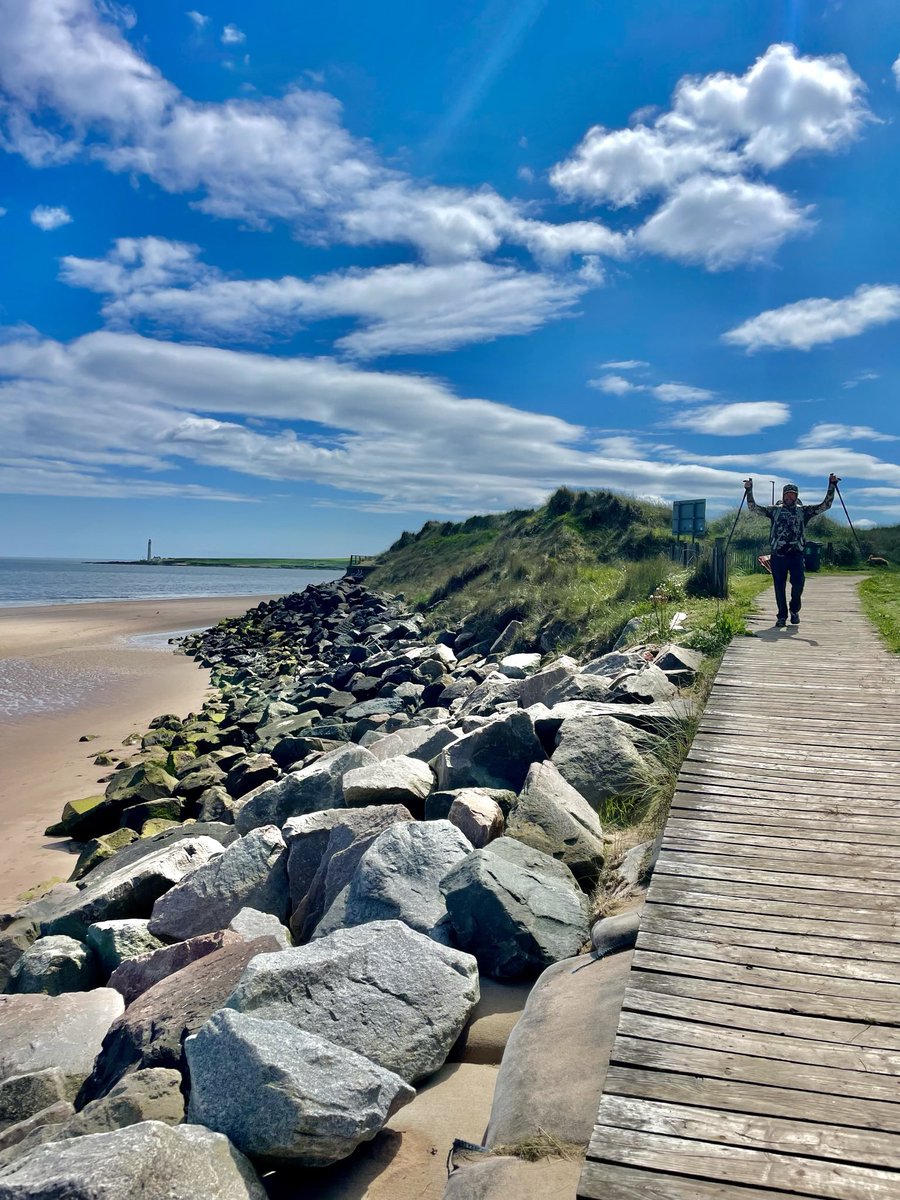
(720, 222)
(681, 393)
(896, 70)
(232, 36)
(73, 86)
(48, 217)
(400, 441)
(627, 364)
(402, 309)
(834, 435)
(863, 377)
(733, 420)
(782, 106)
(199, 19)
(614, 385)
(815, 322)
(865, 523)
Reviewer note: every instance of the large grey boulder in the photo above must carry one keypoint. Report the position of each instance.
(615, 663)
(414, 741)
(667, 717)
(145, 847)
(497, 755)
(602, 758)
(21, 1096)
(493, 691)
(536, 686)
(477, 816)
(137, 975)
(252, 873)
(647, 686)
(679, 662)
(556, 1058)
(612, 934)
(284, 1095)
(348, 841)
(250, 923)
(310, 789)
(512, 908)
(116, 941)
(151, 1032)
(34, 1130)
(65, 1032)
(399, 876)
(306, 838)
(151, 1160)
(380, 989)
(550, 815)
(397, 780)
(578, 687)
(132, 890)
(53, 965)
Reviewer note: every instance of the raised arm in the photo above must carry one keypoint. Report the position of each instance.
(813, 510)
(762, 510)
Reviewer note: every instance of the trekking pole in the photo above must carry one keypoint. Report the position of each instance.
(849, 522)
(737, 518)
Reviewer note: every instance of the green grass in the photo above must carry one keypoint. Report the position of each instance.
(880, 595)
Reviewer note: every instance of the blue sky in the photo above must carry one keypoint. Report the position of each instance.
(278, 279)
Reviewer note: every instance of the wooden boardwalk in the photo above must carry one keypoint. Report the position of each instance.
(758, 1047)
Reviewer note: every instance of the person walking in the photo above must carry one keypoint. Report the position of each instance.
(788, 541)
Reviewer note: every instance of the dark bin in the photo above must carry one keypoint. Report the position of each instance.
(812, 556)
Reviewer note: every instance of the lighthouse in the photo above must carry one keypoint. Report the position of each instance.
(149, 550)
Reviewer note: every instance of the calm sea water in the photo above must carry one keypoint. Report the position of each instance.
(29, 581)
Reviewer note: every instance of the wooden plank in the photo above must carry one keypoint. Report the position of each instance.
(875, 941)
(721, 781)
(778, 940)
(725, 819)
(835, 976)
(858, 1071)
(840, 890)
(728, 896)
(731, 1096)
(849, 865)
(739, 1165)
(644, 995)
(805, 994)
(782, 1135)
(612, 1181)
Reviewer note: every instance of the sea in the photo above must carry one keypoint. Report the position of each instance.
(41, 685)
(32, 581)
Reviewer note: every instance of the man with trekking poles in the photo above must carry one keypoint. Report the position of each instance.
(788, 540)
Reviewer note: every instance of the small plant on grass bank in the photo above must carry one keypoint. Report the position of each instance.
(880, 595)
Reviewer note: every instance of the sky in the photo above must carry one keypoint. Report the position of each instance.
(287, 279)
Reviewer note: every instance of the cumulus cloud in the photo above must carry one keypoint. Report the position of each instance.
(784, 105)
(48, 216)
(198, 19)
(232, 36)
(896, 70)
(398, 441)
(614, 385)
(834, 435)
(402, 309)
(73, 86)
(680, 393)
(733, 420)
(816, 322)
(722, 221)
(627, 364)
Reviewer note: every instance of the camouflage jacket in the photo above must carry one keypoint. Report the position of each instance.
(788, 534)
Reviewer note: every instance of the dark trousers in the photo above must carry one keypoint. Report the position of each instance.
(784, 565)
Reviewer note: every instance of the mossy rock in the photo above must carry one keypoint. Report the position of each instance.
(157, 825)
(104, 760)
(159, 737)
(177, 762)
(168, 808)
(99, 849)
(71, 819)
(147, 781)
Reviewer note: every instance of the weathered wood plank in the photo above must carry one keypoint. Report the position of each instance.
(612, 1181)
(780, 1134)
(739, 1165)
(728, 895)
(875, 941)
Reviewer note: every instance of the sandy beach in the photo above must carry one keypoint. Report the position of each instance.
(77, 664)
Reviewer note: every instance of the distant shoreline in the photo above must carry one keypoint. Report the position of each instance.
(300, 564)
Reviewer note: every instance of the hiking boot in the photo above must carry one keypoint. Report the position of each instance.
(795, 618)
(781, 622)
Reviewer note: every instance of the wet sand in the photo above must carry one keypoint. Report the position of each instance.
(75, 663)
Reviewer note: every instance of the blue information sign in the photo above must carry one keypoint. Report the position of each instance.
(689, 517)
